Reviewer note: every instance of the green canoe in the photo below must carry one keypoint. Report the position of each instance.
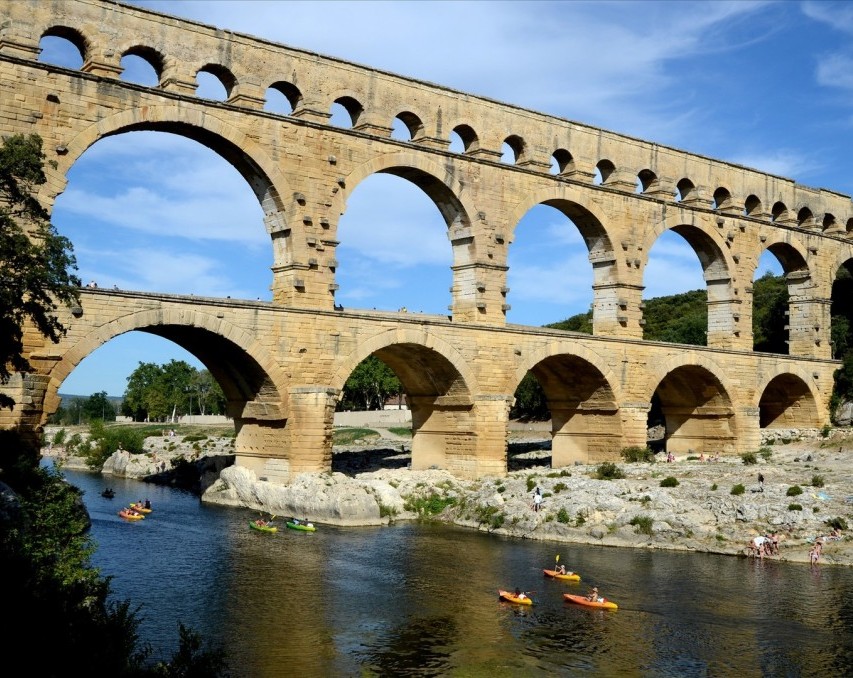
(262, 528)
(305, 527)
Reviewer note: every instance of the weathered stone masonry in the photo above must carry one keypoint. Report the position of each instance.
(282, 365)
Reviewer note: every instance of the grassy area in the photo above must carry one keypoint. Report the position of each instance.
(349, 436)
(401, 431)
(181, 430)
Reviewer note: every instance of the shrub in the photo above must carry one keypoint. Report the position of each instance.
(559, 487)
(738, 489)
(749, 458)
(194, 438)
(387, 511)
(580, 519)
(637, 454)
(563, 516)
(713, 487)
(669, 482)
(608, 471)
(531, 483)
(795, 507)
(765, 453)
(429, 506)
(837, 523)
(817, 481)
(643, 524)
(794, 490)
(59, 436)
(826, 430)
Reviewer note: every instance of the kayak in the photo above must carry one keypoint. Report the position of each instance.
(124, 513)
(262, 528)
(509, 597)
(583, 600)
(305, 527)
(108, 494)
(140, 508)
(569, 576)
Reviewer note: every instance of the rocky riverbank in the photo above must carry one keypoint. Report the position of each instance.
(371, 484)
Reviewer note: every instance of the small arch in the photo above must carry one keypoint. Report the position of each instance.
(779, 212)
(647, 179)
(345, 109)
(142, 65)
(63, 46)
(282, 98)
(215, 82)
(829, 222)
(848, 229)
(684, 190)
(562, 161)
(805, 217)
(407, 127)
(752, 206)
(463, 139)
(605, 169)
(722, 199)
(513, 150)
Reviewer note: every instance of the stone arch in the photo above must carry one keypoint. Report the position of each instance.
(351, 105)
(647, 178)
(564, 160)
(251, 380)
(700, 415)
(413, 122)
(290, 92)
(583, 395)
(73, 35)
(470, 140)
(245, 155)
(150, 55)
(439, 387)
(788, 399)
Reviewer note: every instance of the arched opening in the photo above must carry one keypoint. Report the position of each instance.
(551, 276)
(787, 402)
(841, 313)
(697, 413)
(770, 294)
(684, 190)
(779, 212)
(805, 218)
(142, 66)
(677, 292)
(562, 162)
(752, 206)
(407, 127)
(393, 253)
(646, 179)
(215, 83)
(345, 112)
(512, 150)
(282, 98)
(722, 199)
(605, 169)
(829, 222)
(62, 46)
(158, 212)
(575, 396)
(463, 139)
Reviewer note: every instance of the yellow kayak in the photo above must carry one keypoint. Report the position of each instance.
(510, 597)
(127, 515)
(569, 576)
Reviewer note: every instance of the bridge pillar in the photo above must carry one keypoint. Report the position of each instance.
(479, 292)
(27, 390)
(809, 327)
(585, 434)
(724, 331)
(634, 419)
(749, 429)
(617, 310)
(705, 429)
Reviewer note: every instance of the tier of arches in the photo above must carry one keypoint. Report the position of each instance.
(748, 196)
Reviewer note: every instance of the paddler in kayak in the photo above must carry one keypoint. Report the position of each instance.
(519, 594)
(592, 596)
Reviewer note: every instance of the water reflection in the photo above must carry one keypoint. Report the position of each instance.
(413, 600)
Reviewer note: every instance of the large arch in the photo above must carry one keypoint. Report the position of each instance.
(788, 400)
(585, 422)
(700, 416)
(438, 384)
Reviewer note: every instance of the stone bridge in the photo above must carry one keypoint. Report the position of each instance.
(283, 364)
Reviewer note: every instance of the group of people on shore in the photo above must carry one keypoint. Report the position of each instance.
(764, 545)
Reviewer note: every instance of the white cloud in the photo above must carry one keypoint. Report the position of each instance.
(783, 163)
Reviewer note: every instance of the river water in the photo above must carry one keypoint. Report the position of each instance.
(417, 600)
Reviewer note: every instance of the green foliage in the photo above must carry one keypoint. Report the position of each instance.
(825, 431)
(714, 487)
(817, 481)
(349, 436)
(637, 454)
(530, 402)
(765, 453)
(386, 511)
(98, 406)
(490, 515)
(563, 516)
(769, 311)
(793, 491)
(531, 483)
(580, 519)
(163, 392)
(369, 386)
(104, 441)
(680, 318)
(608, 471)
(837, 523)
(401, 431)
(795, 507)
(582, 322)
(669, 482)
(738, 489)
(643, 524)
(749, 458)
(428, 506)
(559, 487)
(36, 263)
(60, 436)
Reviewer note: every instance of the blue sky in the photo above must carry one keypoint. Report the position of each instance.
(764, 84)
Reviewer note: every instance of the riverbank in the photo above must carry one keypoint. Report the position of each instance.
(371, 484)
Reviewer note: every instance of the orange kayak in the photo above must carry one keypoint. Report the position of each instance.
(569, 576)
(127, 515)
(140, 508)
(583, 600)
(510, 597)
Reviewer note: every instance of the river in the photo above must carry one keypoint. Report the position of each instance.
(421, 600)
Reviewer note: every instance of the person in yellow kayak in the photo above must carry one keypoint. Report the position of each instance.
(593, 597)
(560, 569)
(519, 594)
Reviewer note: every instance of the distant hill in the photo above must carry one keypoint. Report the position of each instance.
(68, 397)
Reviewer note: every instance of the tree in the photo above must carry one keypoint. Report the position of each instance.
(98, 406)
(35, 261)
(371, 383)
(769, 310)
(136, 396)
(530, 401)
